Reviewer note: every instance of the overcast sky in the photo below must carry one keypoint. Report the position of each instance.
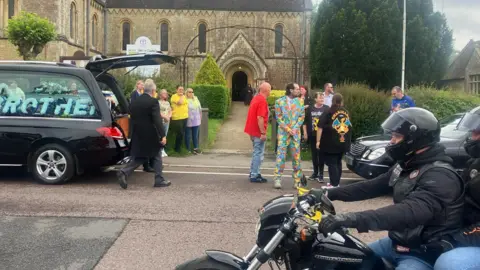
(463, 17)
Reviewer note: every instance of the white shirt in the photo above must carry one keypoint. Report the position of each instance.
(16, 93)
(328, 100)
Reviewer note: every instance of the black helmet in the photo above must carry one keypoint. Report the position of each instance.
(419, 127)
(471, 123)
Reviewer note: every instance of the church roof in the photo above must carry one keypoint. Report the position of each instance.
(471, 52)
(229, 5)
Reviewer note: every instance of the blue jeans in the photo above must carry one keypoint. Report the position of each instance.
(257, 156)
(383, 248)
(467, 258)
(165, 127)
(191, 133)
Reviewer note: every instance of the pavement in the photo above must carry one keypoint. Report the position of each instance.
(231, 138)
(91, 223)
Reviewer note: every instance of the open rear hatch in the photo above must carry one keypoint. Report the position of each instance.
(99, 65)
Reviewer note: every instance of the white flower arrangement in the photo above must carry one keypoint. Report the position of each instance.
(52, 88)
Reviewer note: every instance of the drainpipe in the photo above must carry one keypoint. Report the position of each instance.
(87, 38)
(302, 45)
(105, 14)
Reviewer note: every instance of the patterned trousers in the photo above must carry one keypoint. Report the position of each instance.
(284, 142)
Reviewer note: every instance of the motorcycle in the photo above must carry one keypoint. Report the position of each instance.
(288, 235)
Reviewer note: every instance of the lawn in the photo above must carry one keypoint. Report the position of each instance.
(213, 127)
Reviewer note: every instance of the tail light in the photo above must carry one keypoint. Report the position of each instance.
(112, 132)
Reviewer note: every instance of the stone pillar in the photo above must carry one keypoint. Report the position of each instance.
(203, 132)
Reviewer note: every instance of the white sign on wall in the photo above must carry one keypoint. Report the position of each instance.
(144, 45)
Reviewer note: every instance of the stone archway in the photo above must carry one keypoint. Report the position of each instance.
(238, 75)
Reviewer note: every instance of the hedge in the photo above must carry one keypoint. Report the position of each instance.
(369, 108)
(214, 97)
(129, 82)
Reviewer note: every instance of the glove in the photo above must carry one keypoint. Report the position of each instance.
(318, 193)
(332, 223)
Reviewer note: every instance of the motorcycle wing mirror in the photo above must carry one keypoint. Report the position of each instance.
(327, 205)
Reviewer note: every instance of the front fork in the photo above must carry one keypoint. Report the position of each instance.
(263, 255)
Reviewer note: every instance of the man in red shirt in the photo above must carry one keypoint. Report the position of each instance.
(256, 127)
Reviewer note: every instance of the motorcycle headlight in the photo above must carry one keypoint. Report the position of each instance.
(376, 153)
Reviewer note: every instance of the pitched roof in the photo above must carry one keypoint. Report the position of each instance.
(456, 70)
(230, 5)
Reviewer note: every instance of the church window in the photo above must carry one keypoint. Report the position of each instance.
(125, 35)
(278, 39)
(73, 20)
(94, 31)
(202, 38)
(11, 8)
(164, 37)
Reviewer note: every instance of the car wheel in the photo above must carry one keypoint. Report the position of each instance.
(52, 164)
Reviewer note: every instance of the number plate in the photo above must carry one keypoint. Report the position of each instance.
(349, 160)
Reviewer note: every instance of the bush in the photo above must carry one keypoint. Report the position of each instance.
(443, 103)
(30, 33)
(210, 73)
(215, 98)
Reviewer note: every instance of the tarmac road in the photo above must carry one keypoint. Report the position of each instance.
(91, 223)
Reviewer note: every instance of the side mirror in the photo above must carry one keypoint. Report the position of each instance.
(327, 205)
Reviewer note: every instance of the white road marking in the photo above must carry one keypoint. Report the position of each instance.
(237, 174)
(231, 167)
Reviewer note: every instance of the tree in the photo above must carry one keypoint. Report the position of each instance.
(30, 33)
(362, 41)
(210, 73)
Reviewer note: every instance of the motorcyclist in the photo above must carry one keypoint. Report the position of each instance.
(467, 241)
(428, 194)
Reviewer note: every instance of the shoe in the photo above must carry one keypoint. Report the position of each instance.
(277, 183)
(329, 186)
(148, 169)
(313, 177)
(196, 151)
(320, 179)
(258, 179)
(122, 179)
(164, 154)
(164, 183)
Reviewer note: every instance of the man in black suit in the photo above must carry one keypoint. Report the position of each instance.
(148, 137)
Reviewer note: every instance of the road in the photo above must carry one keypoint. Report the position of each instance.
(91, 223)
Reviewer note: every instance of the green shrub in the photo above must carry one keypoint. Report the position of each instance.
(214, 97)
(367, 108)
(443, 103)
(210, 73)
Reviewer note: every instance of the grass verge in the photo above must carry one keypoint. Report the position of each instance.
(270, 147)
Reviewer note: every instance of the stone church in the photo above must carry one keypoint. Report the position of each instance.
(252, 40)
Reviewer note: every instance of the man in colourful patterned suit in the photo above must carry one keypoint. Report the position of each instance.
(290, 113)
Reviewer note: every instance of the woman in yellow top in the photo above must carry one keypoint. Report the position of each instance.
(179, 118)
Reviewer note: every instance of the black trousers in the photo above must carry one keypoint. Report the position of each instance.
(178, 128)
(135, 162)
(334, 163)
(317, 157)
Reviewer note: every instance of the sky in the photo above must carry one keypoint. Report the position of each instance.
(463, 17)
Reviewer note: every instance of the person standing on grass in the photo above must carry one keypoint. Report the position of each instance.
(334, 133)
(312, 117)
(179, 105)
(194, 121)
(256, 126)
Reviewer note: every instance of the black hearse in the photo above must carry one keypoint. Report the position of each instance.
(55, 120)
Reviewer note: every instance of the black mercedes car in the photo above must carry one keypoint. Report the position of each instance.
(367, 157)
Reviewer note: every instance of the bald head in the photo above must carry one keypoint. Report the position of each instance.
(265, 89)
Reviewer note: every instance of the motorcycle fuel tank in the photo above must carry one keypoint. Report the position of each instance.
(340, 252)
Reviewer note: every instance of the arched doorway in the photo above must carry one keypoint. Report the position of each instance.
(239, 85)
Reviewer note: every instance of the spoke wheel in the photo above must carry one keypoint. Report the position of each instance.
(52, 164)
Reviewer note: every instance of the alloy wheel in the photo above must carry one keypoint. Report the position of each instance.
(51, 165)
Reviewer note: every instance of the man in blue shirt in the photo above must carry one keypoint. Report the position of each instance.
(400, 101)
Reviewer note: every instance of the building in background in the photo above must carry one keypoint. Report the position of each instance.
(464, 72)
(246, 56)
